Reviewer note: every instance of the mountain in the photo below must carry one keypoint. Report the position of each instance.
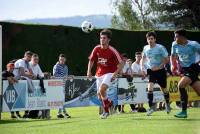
(99, 21)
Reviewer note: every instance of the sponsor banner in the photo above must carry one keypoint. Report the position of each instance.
(134, 91)
(172, 86)
(18, 97)
(83, 92)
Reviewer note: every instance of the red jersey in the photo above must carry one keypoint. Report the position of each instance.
(107, 59)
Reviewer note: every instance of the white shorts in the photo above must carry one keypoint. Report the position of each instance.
(104, 79)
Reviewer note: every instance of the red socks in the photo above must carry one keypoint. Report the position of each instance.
(106, 105)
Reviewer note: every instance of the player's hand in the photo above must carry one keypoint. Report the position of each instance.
(143, 74)
(155, 68)
(89, 75)
(114, 76)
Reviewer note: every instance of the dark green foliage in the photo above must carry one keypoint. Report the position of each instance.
(49, 41)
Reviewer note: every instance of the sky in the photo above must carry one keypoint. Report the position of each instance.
(28, 9)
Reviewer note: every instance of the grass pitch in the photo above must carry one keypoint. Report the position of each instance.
(86, 120)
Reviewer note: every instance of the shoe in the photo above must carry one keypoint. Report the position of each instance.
(13, 117)
(104, 115)
(168, 108)
(141, 110)
(25, 116)
(134, 111)
(67, 116)
(182, 114)
(150, 111)
(60, 116)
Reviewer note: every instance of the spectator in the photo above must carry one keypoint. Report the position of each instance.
(8, 75)
(137, 72)
(23, 70)
(38, 74)
(60, 70)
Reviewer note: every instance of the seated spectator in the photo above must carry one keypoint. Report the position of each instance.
(37, 72)
(23, 71)
(8, 75)
(60, 70)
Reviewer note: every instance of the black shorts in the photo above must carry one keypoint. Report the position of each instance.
(192, 72)
(159, 76)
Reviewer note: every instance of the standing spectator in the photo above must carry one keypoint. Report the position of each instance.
(60, 70)
(23, 70)
(137, 72)
(8, 75)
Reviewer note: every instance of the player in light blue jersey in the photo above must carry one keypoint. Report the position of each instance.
(186, 51)
(156, 57)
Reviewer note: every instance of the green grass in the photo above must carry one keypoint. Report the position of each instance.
(86, 121)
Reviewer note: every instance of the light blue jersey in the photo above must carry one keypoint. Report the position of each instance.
(186, 53)
(154, 55)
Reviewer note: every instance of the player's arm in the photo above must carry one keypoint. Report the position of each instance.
(89, 70)
(165, 60)
(142, 66)
(92, 58)
(173, 59)
(119, 70)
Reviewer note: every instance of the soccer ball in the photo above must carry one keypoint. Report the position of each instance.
(87, 26)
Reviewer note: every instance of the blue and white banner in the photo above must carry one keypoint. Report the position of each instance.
(83, 92)
(18, 97)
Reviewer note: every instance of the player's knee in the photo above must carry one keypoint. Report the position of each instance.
(181, 85)
(103, 88)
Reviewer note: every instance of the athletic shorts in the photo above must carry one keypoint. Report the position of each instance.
(104, 79)
(159, 76)
(192, 72)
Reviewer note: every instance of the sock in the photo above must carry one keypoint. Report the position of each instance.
(150, 97)
(106, 105)
(166, 96)
(184, 98)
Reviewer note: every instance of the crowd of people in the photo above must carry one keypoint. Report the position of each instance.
(27, 68)
(153, 62)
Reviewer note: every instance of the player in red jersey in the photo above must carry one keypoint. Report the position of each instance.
(109, 64)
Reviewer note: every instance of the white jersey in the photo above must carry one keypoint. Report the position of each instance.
(21, 63)
(136, 68)
(36, 70)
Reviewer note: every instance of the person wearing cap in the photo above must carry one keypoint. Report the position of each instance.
(8, 75)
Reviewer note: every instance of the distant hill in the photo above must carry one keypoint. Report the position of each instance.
(100, 21)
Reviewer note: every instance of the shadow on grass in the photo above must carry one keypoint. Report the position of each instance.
(22, 121)
(171, 119)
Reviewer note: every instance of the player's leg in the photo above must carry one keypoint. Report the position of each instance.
(103, 91)
(150, 87)
(167, 99)
(183, 96)
(98, 83)
(196, 87)
(150, 98)
(162, 81)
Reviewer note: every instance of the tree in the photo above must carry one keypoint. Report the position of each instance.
(127, 18)
(133, 15)
(181, 13)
